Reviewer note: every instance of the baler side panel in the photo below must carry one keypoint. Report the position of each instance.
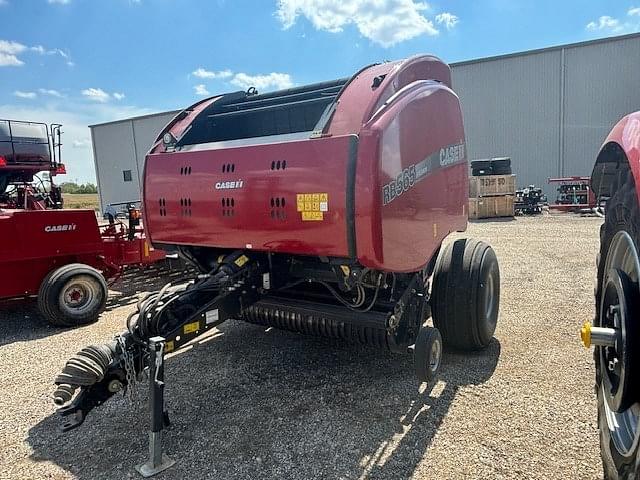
(233, 197)
(422, 180)
(36, 242)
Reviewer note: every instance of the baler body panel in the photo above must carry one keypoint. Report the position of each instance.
(421, 176)
(394, 124)
(36, 242)
(249, 197)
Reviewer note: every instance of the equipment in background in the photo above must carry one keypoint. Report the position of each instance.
(491, 166)
(62, 256)
(574, 195)
(530, 201)
(258, 192)
(491, 196)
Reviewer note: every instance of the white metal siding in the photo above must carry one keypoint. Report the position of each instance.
(113, 152)
(602, 86)
(511, 108)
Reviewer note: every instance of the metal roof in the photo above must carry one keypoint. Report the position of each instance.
(584, 43)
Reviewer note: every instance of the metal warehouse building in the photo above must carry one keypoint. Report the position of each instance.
(549, 110)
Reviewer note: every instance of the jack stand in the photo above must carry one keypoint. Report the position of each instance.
(158, 461)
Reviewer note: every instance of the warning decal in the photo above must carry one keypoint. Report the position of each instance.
(312, 206)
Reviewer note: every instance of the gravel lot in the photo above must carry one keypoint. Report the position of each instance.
(287, 406)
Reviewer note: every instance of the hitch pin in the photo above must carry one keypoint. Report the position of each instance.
(598, 336)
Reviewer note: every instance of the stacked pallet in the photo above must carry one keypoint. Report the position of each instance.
(491, 196)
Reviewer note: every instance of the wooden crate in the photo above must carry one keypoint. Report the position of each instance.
(490, 185)
(491, 207)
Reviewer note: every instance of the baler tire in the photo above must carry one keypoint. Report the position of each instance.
(622, 214)
(466, 294)
(88, 279)
(427, 346)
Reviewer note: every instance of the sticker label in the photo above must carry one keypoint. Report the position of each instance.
(191, 327)
(169, 346)
(241, 260)
(312, 206)
(211, 316)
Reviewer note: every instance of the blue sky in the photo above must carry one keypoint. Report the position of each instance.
(80, 62)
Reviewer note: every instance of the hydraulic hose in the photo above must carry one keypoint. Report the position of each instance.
(85, 368)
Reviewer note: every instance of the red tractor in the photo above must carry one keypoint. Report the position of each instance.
(615, 331)
(62, 256)
(319, 209)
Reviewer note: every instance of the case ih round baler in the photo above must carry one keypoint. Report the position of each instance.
(319, 209)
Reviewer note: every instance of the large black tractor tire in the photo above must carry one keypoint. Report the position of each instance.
(480, 168)
(466, 294)
(72, 295)
(501, 166)
(620, 457)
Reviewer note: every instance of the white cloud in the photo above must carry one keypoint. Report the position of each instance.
(449, 20)
(81, 143)
(60, 2)
(385, 22)
(9, 52)
(605, 22)
(271, 81)
(201, 90)
(50, 92)
(21, 94)
(96, 95)
(207, 74)
(118, 96)
(610, 25)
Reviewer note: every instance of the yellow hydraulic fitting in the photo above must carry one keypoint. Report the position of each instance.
(585, 334)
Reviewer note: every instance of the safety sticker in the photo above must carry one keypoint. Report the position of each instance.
(169, 346)
(191, 327)
(312, 206)
(211, 316)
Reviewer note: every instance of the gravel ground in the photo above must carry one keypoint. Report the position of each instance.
(288, 406)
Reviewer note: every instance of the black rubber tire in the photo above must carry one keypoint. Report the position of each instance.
(52, 286)
(464, 310)
(427, 340)
(481, 164)
(506, 170)
(622, 213)
(476, 172)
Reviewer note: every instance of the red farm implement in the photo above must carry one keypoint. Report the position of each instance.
(62, 256)
(320, 209)
(574, 194)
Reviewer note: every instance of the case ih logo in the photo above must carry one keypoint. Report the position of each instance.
(451, 154)
(60, 228)
(229, 185)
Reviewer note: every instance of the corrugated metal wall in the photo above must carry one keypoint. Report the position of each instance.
(548, 110)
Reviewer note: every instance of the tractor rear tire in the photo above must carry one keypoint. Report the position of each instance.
(466, 294)
(619, 437)
(72, 295)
